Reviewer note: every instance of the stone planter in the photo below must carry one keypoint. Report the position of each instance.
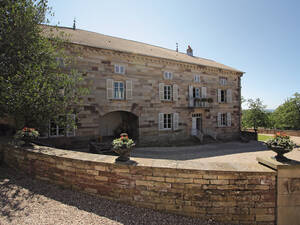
(280, 153)
(124, 154)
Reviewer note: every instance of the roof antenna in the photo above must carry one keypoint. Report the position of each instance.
(176, 47)
(74, 24)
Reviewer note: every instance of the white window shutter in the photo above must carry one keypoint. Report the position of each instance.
(175, 121)
(175, 92)
(203, 92)
(219, 95)
(191, 98)
(109, 88)
(219, 120)
(128, 89)
(229, 119)
(229, 95)
(161, 91)
(160, 121)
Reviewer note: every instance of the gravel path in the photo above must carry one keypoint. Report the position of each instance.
(27, 201)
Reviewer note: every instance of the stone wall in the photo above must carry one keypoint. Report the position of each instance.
(272, 131)
(233, 197)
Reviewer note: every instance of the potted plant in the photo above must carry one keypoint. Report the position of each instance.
(123, 146)
(26, 135)
(281, 144)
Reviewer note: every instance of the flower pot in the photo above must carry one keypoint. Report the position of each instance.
(124, 154)
(27, 142)
(280, 153)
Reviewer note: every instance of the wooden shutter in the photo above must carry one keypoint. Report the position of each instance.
(175, 92)
(219, 95)
(161, 91)
(229, 119)
(109, 88)
(191, 97)
(203, 92)
(128, 89)
(219, 120)
(175, 121)
(160, 121)
(229, 95)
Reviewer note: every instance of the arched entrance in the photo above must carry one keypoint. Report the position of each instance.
(114, 123)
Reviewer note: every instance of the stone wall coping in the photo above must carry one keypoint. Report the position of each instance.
(153, 163)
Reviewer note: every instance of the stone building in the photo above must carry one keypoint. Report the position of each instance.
(153, 93)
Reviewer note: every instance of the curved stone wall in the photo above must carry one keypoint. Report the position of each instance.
(235, 197)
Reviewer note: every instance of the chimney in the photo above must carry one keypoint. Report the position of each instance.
(189, 51)
(176, 47)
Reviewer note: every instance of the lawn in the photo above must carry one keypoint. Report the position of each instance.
(264, 138)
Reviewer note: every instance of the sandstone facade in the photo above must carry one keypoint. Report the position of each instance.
(144, 78)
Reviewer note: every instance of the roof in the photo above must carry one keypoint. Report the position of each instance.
(88, 38)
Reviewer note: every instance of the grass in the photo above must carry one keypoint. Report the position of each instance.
(264, 138)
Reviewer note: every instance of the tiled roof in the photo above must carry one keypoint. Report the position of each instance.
(88, 38)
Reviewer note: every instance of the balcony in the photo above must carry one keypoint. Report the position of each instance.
(200, 102)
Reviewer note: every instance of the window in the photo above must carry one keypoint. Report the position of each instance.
(167, 121)
(168, 75)
(223, 96)
(64, 129)
(224, 119)
(197, 92)
(118, 90)
(223, 81)
(167, 92)
(197, 78)
(119, 69)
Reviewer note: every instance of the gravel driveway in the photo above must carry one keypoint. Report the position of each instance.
(27, 201)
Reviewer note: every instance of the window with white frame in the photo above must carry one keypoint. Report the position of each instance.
(118, 90)
(119, 69)
(223, 81)
(64, 126)
(168, 75)
(224, 119)
(167, 92)
(197, 78)
(168, 121)
(224, 96)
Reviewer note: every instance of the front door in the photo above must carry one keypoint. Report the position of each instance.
(196, 124)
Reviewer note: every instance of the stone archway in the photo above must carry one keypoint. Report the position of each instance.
(114, 123)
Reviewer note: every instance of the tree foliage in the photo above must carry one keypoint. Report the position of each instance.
(255, 116)
(33, 86)
(287, 115)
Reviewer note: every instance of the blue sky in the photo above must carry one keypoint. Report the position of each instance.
(260, 37)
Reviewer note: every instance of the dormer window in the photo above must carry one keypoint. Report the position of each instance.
(197, 78)
(119, 69)
(168, 75)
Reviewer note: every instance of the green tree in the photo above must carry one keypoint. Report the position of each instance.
(287, 115)
(33, 86)
(255, 116)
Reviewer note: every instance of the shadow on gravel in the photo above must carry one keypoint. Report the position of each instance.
(18, 191)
